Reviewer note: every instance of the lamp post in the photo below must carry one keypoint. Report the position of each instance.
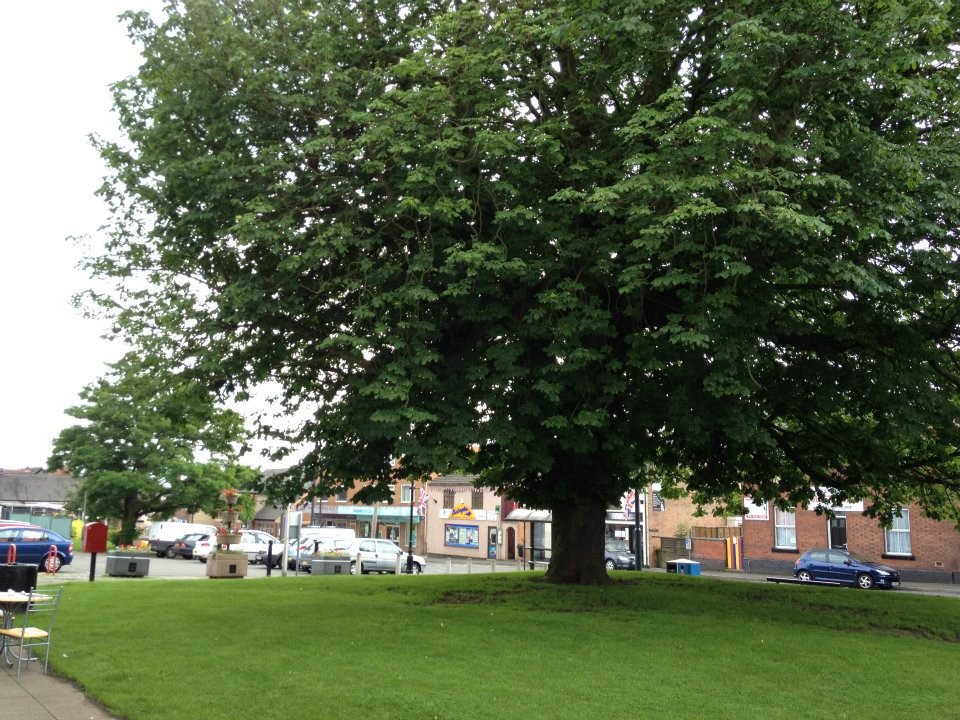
(410, 534)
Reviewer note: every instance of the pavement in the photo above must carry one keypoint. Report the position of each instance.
(35, 696)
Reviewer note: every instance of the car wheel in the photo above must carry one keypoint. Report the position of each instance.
(864, 581)
(804, 576)
(611, 565)
(171, 553)
(203, 560)
(353, 567)
(417, 569)
(51, 564)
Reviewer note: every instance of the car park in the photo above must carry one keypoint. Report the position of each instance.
(844, 568)
(37, 546)
(253, 542)
(617, 556)
(303, 549)
(183, 547)
(377, 555)
(162, 535)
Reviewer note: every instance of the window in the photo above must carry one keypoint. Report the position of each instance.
(785, 524)
(448, 499)
(406, 494)
(342, 496)
(476, 502)
(898, 536)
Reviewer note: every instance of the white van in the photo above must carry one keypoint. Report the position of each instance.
(161, 535)
(327, 533)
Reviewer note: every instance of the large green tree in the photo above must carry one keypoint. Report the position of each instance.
(138, 448)
(582, 237)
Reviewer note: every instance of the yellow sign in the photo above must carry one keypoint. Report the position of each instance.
(462, 512)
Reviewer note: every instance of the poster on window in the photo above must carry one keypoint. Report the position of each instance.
(461, 536)
(755, 511)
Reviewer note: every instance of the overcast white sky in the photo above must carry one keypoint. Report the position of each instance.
(58, 58)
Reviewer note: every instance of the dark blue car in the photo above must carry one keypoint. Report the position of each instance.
(33, 545)
(842, 567)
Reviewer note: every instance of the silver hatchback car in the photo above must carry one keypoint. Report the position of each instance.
(378, 555)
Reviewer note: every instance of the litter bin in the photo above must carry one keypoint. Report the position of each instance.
(19, 577)
(683, 567)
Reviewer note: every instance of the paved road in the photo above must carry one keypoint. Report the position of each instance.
(179, 568)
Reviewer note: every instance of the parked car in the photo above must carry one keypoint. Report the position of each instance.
(842, 567)
(183, 547)
(378, 555)
(617, 556)
(34, 544)
(255, 544)
(204, 545)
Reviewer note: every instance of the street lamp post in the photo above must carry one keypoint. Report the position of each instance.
(410, 534)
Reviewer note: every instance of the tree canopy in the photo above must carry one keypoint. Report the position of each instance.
(137, 449)
(560, 242)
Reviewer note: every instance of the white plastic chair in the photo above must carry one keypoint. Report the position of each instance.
(34, 628)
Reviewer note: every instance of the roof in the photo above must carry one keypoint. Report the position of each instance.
(20, 487)
(269, 512)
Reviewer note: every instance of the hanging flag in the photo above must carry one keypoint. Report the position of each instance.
(629, 503)
(422, 502)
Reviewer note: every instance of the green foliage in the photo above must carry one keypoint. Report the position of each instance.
(136, 451)
(667, 638)
(582, 237)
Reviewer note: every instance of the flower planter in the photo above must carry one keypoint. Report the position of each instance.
(128, 564)
(227, 565)
(330, 566)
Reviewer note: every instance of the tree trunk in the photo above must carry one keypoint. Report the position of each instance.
(128, 523)
(577, 536)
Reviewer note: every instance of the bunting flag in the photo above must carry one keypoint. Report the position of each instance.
(422, 502)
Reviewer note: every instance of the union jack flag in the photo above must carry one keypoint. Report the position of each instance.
(629, 503)
(422, 502)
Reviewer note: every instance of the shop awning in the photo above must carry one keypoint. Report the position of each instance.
(366, 511)
(528, 515)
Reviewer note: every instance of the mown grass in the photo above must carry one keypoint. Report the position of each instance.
(506, 646)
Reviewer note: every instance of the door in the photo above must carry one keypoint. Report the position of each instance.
(819, 565)
(840, 568)
(387, 556)
(491, 543)
(838, 531)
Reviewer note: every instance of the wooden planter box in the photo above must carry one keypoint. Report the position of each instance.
(227, 565)
(330, 566)
(128, 564)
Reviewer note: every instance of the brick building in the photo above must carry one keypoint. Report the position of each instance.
(923, 550)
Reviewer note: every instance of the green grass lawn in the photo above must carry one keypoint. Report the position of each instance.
(506, 646)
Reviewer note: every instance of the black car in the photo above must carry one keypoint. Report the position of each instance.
(617, 556)
(842, 567)
(183, 546)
